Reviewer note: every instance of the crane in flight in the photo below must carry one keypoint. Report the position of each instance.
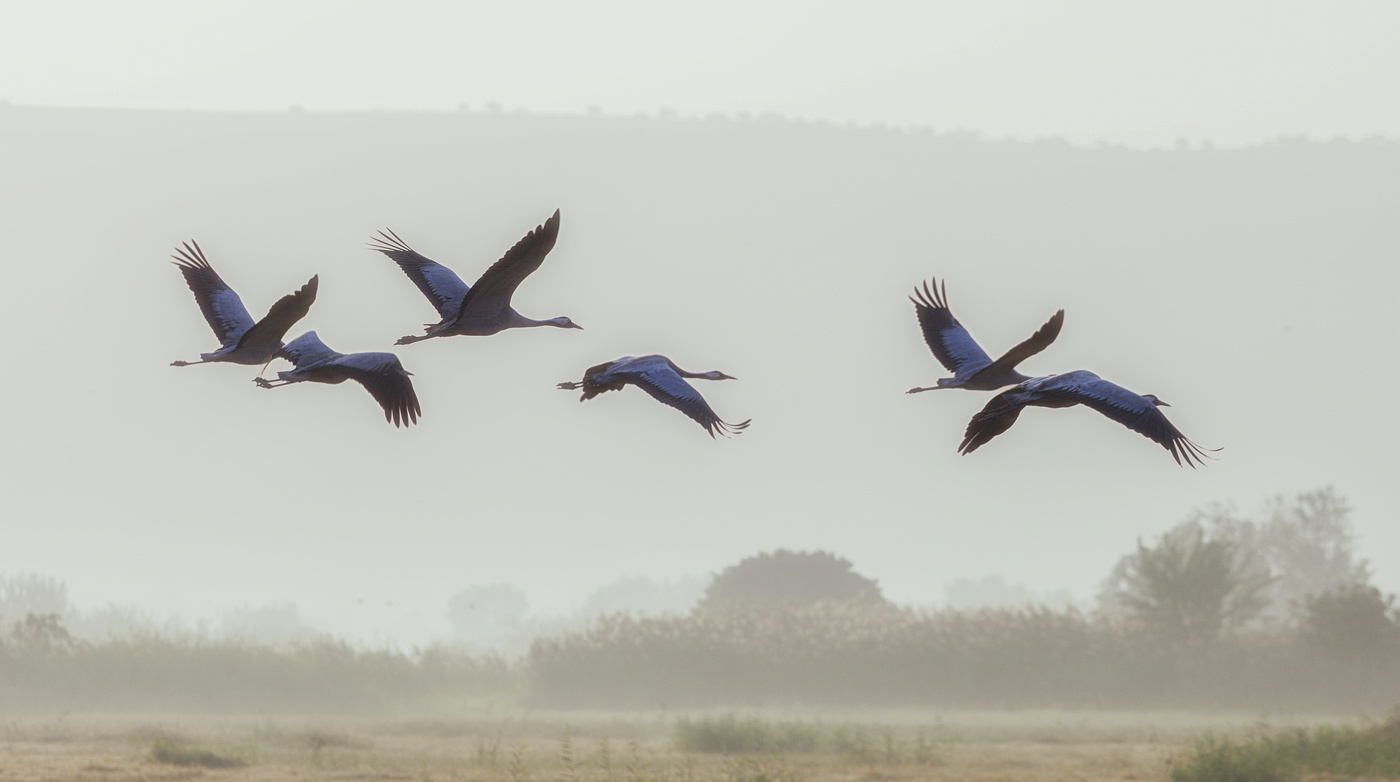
(484, 308)
(1138, 412)
(241, 341)
(380, 373)
(956, 350)
(664, 381)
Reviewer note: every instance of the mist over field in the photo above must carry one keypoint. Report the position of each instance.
(1208, 191)
(1249, 287)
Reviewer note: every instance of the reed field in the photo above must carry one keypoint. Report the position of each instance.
(835, 656)
(825, 656)
(151, 673)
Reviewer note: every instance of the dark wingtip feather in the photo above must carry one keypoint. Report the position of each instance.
(728, 429)
(388, 242)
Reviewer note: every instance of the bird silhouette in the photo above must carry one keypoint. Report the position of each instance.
(1138, 412)
(960, 354)
(664, 381)
(241, 340)
(484, 308)
(380, 373)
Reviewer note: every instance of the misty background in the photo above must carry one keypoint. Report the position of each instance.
(1209, 194)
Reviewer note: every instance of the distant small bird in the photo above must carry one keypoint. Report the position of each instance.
(955, 349)
(660, 377)
(380, 373)
(242, 340)
(1136, 411)
(484, 308)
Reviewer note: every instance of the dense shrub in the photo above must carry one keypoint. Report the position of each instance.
(1352, 751)
(1352, 624)
(731, 735)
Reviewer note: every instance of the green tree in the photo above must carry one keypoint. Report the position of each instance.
(1188, 587)
(1310, 546)
(1305, 542)
(41, 634)
(31, 593)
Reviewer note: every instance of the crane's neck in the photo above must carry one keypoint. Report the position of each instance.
(713, 375)
(519, 321)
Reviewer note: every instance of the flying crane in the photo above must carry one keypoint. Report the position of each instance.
(380, 373)
(484, 308)
(664, 381)
(955, 349)
(1138, 412)
(241, 340)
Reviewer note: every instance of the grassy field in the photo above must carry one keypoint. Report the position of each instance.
(765, 747)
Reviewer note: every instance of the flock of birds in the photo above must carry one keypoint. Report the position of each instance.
(973, 369)
(484, 309)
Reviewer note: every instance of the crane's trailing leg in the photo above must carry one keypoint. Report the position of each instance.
(570, 386)
(265, 383)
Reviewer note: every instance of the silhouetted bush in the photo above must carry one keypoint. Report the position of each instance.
(178, 753)
(790, 578)
(1352, 624)
(730, 735)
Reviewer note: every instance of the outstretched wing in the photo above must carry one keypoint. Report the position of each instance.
(493, 289)
(996, 417)
(1133, 411)
(954, 348)
(222, 309)
(282, 315)
(669, 388)
(387, 381)
(308, 349)
(1037, 342)
(440, 284)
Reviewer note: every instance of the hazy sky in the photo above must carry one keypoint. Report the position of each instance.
(1137, 73)
(188, 490)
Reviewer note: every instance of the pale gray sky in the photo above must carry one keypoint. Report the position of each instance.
(1140, 73)
(1226, 287)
